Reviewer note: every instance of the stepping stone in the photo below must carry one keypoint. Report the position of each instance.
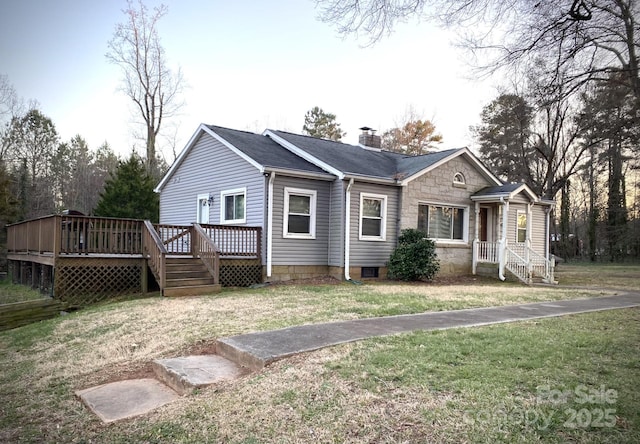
(184, 374)
(125, 399)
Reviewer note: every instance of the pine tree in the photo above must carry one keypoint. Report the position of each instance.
(322, 125)
(129, 193)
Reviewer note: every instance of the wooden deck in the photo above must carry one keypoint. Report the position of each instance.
(88, 258)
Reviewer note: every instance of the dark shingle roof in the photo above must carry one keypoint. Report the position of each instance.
(505, 189)
(263, 150)
(355, 160)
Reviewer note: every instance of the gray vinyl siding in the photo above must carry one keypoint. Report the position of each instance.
(287, 251)
(370, 253)
(538, 222)
(538, 229)
(512, 221)
(336, 233)
(211, 168)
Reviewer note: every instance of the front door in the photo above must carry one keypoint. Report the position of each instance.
(484, 232)
(202, 210)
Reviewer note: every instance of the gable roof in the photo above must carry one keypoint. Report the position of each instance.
(346, 159)
(261, 152)
(505, 191)
(281, 151)
(343, 159)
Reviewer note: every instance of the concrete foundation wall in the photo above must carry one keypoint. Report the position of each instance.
(281, 273)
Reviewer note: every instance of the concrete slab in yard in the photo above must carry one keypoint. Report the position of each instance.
(125, 399)
(256, 350)
(183, 374)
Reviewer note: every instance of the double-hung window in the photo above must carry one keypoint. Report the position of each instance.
(442, 222)
(521, 227)
(299, 213)
(373, 217)
(233, 206)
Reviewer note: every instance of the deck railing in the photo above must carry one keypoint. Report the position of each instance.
(176, 238)
(236, 241)
(207, 251)
(75, 235)
(58, 235)
(156, 253)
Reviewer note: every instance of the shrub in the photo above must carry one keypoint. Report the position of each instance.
(415, 257)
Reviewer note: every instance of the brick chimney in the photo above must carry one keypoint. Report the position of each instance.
(368, 138)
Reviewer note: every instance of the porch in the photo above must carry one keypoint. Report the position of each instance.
(81, 259)
(521, 261)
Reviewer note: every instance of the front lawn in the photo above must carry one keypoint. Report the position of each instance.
(463, 385)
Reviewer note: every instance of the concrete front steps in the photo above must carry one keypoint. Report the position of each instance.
(174, 377)
(187, 373)
(188, 276)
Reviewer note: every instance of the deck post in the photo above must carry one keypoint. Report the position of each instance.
(57, 236)
(144, 276)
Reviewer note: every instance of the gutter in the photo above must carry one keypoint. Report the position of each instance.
(347, 224)
(272, 176)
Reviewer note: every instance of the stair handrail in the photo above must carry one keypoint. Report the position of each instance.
(518, 267)
(156, 253)
(548, 264)
(208, 252)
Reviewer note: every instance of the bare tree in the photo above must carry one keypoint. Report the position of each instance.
(585, 39)
(147, 80)
(11, 106)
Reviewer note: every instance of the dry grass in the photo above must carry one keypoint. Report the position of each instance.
(600, 275)
(299, 400)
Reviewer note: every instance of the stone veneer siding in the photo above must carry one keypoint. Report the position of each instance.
(437, 186)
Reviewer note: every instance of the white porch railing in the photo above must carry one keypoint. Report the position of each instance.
(519, 259)
(487, 252)
(517, 265)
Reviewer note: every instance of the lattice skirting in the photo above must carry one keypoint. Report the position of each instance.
(240, 272)
(83, 281)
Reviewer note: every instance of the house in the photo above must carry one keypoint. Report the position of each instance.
(330, 208)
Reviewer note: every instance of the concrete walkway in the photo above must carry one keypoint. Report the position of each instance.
(255, 350)
(125, 399)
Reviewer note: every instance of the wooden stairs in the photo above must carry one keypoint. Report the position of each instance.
(188, 276)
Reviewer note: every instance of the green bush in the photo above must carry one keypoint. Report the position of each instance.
(415, 257)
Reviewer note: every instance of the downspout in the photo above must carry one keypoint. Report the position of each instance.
(503, 240)
(474, 261)
(347, 227)
(272, 176)
(550, 263)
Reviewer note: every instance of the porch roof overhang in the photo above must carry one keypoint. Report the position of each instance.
(507, 192)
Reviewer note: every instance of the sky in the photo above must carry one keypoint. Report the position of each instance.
(247, 65)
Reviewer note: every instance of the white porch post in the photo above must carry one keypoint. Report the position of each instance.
(503, 239)
(474, 263)
(527, 244)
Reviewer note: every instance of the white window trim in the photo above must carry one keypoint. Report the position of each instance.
(465, 223)
(383, 214)
(312, 213)
(526, 227)
(200, 209)
(226, 193)
(458, 182)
